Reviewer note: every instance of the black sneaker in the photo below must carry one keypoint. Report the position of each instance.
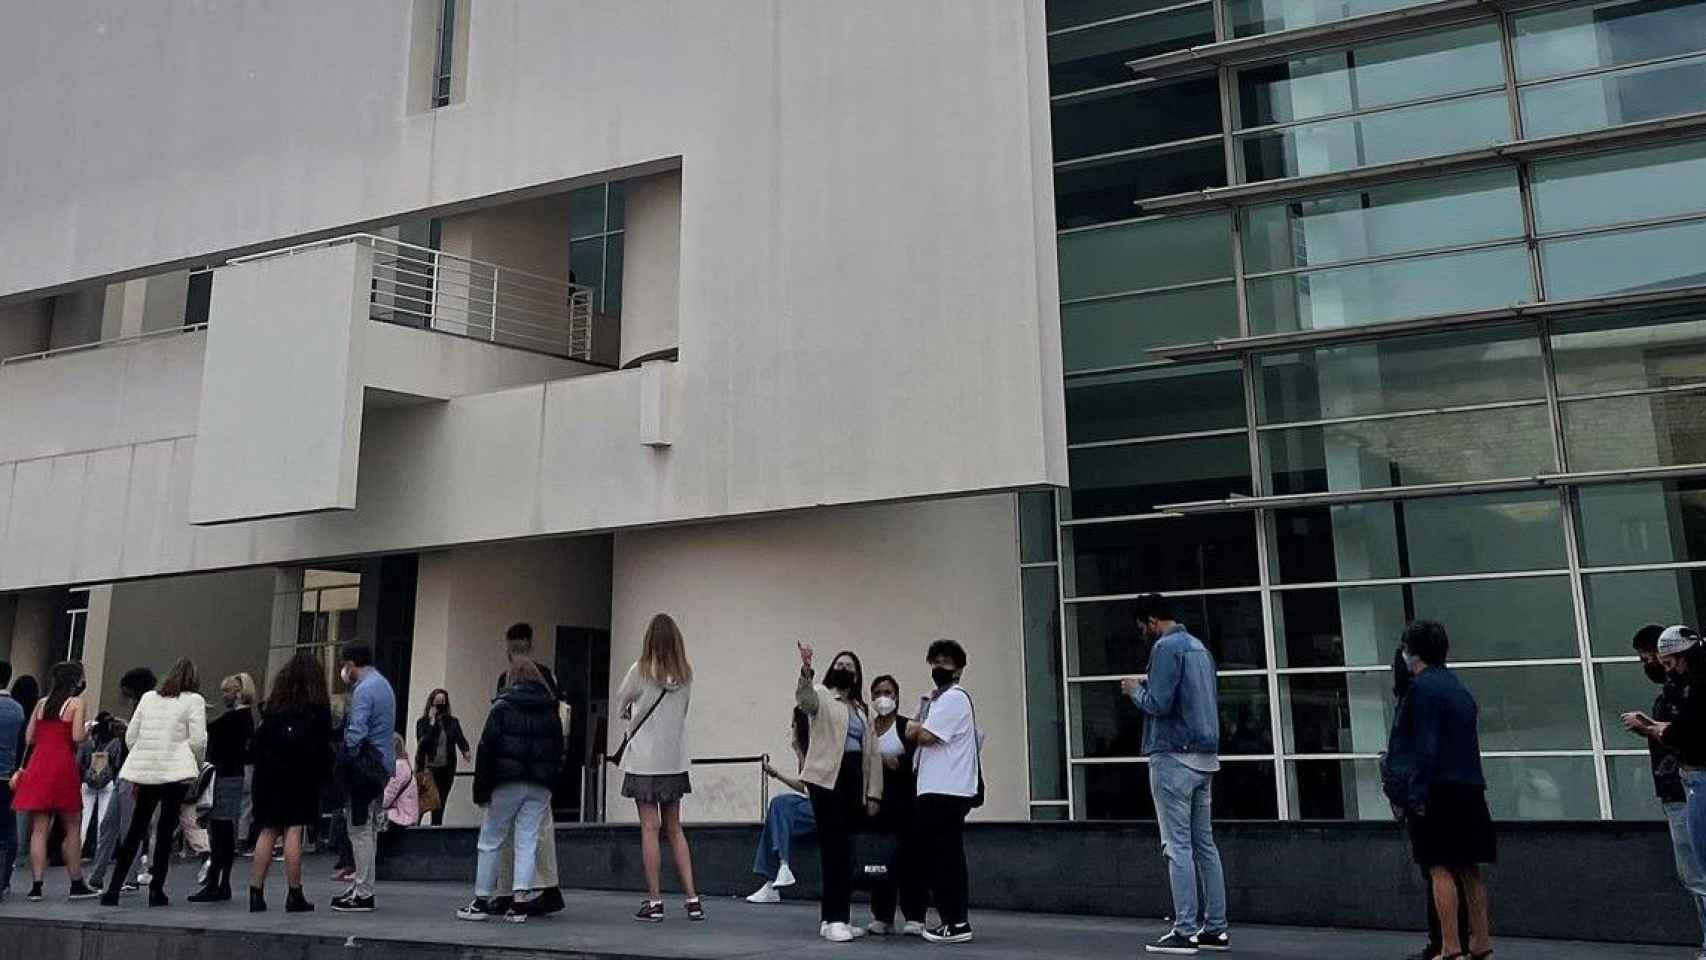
(1205, 940)
(695, 910)
(547, 903)
(515, 914)
(350, 903)
(35, 894)
(158, 898)
(949, 933)
(478, 911)
(1174, 942)
(82, 891)
(651, 911)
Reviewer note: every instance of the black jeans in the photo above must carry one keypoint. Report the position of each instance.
(8, 836)
(939, 849)
(838, 814)
(896, 820)
(168, 798)
(222, 834)
(444, 778)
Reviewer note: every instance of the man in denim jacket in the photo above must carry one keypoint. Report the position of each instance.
(1181, 737)
(12, 722)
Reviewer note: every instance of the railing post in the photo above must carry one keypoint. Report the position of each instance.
(432, 303)
(494, 333)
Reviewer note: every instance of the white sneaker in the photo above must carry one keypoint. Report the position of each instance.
(765, 894)
(913, 928)
(784, 876)
(878, 928)
(201, 877)
(823, 928)
(842, 933)
(145, 878)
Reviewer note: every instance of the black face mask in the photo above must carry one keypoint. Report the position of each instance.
(942, 676)
(838, 678)
(1655, 671)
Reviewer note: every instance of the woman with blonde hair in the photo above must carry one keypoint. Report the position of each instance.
(654, 698)
(228, 750)
(167, 738)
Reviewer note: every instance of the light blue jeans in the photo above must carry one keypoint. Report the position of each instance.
(1182, 805)
(790, 817)
(523, 808)
(1688, 868)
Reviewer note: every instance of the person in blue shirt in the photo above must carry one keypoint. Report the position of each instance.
(1181, 738)
(369, 726)
(12, 721)
(1434, 776)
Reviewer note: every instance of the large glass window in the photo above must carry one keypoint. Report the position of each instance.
(1116, 146)
(1102, 638)
(596, 235)
(1608, 62)
(1164, 400)
(1135, 556)
(1619, 603)
(1388, 290)
(1250, 17)
(1043, 689)
(1632, 390)
(1395, 99)
(1096, 53)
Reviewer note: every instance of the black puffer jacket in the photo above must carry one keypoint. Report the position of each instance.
(522, 741)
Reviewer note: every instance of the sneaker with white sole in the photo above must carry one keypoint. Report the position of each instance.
(1173, 943)
(784, 876)
(1213, 940)
(478, 911)
(842, 933)
(949, 933)
(913, 928)
(878, 928)
(765, 894)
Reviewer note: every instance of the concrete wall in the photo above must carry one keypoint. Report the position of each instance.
(32, 633)
(651, 266)
(464, 601)
(882, 581)
(866, 275)
(222, 621)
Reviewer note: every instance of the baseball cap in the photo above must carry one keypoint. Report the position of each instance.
(1676, 639)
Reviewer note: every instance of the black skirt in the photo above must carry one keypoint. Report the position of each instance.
(1456, 830)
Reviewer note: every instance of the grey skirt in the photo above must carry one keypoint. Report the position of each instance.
(227, 799)
(656, 788)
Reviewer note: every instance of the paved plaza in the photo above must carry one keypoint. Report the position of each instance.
(597, 925)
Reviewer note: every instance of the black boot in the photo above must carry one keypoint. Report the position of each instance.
(257, 900)
(212, 893)
(295, 902)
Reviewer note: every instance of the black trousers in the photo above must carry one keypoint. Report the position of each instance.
(167, 798)
(838, 813)
(902, 864)
(444, 778)
(222, 836)
(939, 849)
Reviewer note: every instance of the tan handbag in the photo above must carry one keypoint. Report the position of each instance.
(427, 788)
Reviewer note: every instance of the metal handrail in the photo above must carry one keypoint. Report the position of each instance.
(418, 286)
(762, 759)
(97, 344)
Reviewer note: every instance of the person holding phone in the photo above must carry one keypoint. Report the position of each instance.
(1680, 652)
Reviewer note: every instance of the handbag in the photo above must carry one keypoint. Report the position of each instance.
(616, 758)
(427, 788)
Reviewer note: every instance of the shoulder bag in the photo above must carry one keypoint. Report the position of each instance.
(616, 757)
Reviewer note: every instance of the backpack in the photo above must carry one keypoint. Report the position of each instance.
(102, 766)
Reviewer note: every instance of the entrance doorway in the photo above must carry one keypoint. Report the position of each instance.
(583, 673)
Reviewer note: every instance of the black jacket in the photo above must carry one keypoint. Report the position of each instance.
(228, 741)
(426, 740)
(1667, 762)
(522, 741)
(1687, 733)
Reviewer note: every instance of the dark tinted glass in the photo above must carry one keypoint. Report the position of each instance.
(1103, 638)
(1122, 119)
(1043, 684)
(1133, 479)
(1097, 57)
(1193, 553)
(1139, 403)
(1108, 190)
(1243, 790)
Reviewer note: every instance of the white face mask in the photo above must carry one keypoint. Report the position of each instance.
(884, 705)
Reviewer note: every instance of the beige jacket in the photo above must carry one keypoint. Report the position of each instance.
(830, 715)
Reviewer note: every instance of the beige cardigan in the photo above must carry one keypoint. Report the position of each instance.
(830, 715)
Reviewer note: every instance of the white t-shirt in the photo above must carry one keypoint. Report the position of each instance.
(950, 767)
(890, 743)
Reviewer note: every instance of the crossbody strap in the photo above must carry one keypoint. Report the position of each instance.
(645, 716)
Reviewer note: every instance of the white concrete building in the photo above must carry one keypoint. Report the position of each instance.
(406, 320)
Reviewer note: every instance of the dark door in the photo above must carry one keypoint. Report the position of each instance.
(583, 672)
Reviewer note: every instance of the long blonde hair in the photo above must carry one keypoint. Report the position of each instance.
(663, 654)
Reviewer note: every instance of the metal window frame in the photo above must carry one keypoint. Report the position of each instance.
(1607, 71)
(1424, 253)
(1246, 133)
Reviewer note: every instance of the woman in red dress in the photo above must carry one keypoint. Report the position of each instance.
(47, 787)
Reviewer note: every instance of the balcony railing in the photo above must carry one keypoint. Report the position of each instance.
(432, 290)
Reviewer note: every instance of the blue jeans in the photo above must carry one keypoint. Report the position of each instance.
(1688, 866)
(790, 816)
(8, 836)
(523, 808)
(1182, 803)
(1694, 781)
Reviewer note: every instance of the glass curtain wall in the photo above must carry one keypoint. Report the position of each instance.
(1474, 471)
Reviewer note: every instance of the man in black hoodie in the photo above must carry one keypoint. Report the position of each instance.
(519, 758)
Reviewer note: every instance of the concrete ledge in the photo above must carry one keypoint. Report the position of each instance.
(1554, 879)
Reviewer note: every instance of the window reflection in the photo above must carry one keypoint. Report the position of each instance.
(1620, 602)
(1102, 638)
(1097, 56)
(1193, 553)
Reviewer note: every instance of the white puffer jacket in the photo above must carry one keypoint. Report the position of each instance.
(167, 737)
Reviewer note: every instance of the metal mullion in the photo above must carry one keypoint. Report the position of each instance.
(1578, 595)
(1135, 218)
(1618, 68)
(1617, 659)
(1139, 759)
(1169, 288)
(1125, 18)
(1122, 368)
(1282, 126)
(1401, 414)
(1037, 564)
(1693, 386)
(1152, 149)
(1156, 438)
(1621, 227)
(1422, 254)
(1430, 578)
(1344, 671)
(1172, 594)
(1646, 567)
(1065, 687)
(1120, 518)
(1116, 677)
(1024, 659)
